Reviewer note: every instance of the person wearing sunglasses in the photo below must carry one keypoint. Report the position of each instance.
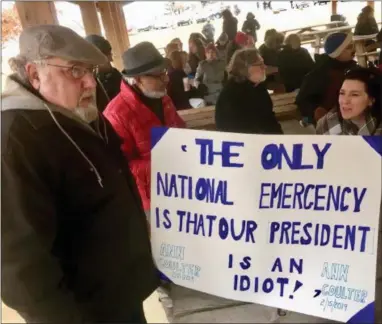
(320, 87)
(71, 214)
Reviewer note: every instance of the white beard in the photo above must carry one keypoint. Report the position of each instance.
(154, 94)
(88, 114)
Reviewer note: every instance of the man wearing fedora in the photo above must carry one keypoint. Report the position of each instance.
(74, 241)
(141, 105)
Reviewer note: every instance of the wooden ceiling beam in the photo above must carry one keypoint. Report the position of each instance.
(90, 17)
(33, 13)
(114, 23)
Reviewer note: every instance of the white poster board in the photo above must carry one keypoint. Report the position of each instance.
(284, 221)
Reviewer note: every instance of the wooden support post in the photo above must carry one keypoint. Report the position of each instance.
(334, 7)
(33, 13)
(90, 17)
(114, 23)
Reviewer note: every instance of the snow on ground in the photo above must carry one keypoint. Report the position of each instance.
(69, 15)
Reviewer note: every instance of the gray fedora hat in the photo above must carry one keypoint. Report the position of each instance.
(142, 59)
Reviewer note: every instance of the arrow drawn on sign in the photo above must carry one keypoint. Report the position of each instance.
(317, 293)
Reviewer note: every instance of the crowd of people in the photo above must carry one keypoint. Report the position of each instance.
(76, 157)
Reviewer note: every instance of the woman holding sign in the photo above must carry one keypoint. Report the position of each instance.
(359, 106)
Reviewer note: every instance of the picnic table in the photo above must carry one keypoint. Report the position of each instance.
(300, 29)
(360, 48)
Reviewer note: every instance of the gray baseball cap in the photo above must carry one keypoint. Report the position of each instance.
(42, 41)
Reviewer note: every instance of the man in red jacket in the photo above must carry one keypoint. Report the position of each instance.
(141, 105)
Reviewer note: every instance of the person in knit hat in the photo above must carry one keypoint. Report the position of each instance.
(109, 78)
(319, 91)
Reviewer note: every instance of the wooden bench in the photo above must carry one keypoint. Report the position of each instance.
(204, 118)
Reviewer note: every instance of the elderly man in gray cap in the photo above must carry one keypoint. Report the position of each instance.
(75, 244)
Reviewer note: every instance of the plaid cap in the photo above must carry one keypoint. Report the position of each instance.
(42, 41)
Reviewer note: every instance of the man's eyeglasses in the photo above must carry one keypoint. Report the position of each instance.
(160, 75)
(76, 71)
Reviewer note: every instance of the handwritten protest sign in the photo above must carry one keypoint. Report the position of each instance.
(284, 221)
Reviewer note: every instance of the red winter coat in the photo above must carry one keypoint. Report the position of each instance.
(133, 120)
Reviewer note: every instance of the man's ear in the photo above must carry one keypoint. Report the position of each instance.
(33, 75)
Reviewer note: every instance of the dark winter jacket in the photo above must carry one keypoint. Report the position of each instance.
(320, 87)
(109, 85)
(74, 239)
(193, 61)
(175, 90)
(232, 47)
(250, 26)
(243, 107)
(293, 65)
(269, 55)
(230, 27)
(366, 27)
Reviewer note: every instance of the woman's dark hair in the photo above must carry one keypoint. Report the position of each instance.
(371, 78)
(270, 33)
(176, 60)
(200, 48)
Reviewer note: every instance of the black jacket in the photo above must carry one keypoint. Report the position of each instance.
(246, 108)
(320, 84)
(108, 86)
(366, 27)
(74, 238)
(250, 26)
(230, 27)
(175, 90)
(232, 47)
(293, 65)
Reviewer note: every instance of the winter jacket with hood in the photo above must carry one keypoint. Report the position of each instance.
(75, 244)
(321, 86)
(250, 27)
(132, 119)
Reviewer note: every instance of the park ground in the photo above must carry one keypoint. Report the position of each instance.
(153, 310)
